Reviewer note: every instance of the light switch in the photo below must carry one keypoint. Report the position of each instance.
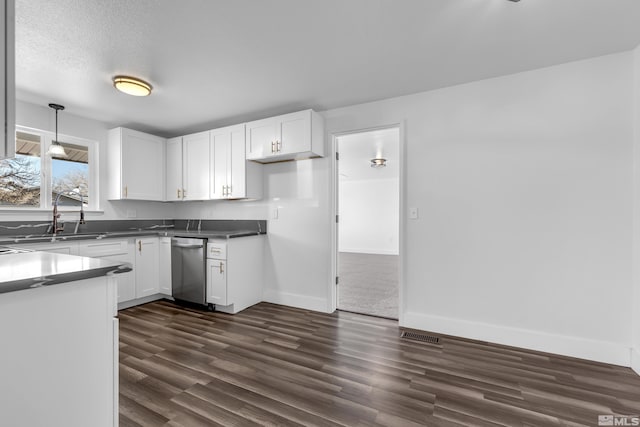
(275, 213)
(413, 213)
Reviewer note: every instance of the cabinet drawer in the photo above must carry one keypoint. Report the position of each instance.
(217, 250)
(102, 248)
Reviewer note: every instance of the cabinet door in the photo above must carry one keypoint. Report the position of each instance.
(261, 137)
(217, 282)
(220, 152)
(174, 169)
(147, 266)
(295, 133)
(126, 281)
(142, 160)
(57, 248)
(195, 166)
(165, 265)
(236, 172)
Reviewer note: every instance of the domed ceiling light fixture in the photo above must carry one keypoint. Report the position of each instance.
(132, 86)
(378, 162)
(56, 149)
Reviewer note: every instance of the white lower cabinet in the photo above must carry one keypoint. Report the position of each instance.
(57, 248)
(150, 258)
(147, 267)
(165, 265)
(216, 282)
(117, 251)
(235, 273)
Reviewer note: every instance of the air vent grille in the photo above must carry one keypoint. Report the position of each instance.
(420, 337)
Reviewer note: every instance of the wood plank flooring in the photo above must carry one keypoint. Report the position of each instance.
(278, 366)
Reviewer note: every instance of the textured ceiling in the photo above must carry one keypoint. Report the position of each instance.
(216, 62)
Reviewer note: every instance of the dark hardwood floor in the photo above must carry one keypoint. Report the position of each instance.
(278, 366)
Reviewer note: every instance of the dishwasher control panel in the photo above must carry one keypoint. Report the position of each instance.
(216, 250)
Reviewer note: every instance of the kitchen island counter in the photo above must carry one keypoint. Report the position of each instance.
(28, 270)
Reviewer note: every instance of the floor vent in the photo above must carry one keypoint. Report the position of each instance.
(420, 337)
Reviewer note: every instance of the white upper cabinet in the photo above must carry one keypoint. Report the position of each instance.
(188, 168)
(288, 137)
(7, 79)
(136, 163)
(232, 177)
(195, 166)
(174, 169)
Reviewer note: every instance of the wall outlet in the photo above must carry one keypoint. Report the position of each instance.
(413, 213)
(131, 213)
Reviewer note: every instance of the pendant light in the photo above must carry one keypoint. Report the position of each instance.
(56, 149)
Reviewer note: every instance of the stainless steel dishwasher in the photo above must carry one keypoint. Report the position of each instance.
(188, 263)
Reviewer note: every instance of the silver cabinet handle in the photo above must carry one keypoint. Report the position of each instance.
(221, 268)
(278, 146)
(273, 146)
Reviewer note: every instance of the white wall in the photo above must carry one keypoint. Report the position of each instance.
(43, 117)
(369, 216)
(297, 267)
(524, 186)
(635, 354)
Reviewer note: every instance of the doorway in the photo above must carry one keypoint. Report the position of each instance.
(368, 227)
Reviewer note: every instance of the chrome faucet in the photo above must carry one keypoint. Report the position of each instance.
(55, 227)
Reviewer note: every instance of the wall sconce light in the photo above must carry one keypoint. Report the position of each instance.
(378, 162)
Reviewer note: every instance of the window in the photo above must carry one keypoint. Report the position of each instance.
(33, 179)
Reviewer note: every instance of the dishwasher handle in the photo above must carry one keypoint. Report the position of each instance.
(178, 245)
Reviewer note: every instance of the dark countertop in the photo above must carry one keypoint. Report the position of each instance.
(204, 234)
(29, 270)
(210, 234)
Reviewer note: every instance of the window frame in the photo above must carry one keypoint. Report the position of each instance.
(46, 179)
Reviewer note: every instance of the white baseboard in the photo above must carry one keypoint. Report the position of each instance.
(599, 351)
(369, 251)
(635, 359)
(295, 300)
(143, 300)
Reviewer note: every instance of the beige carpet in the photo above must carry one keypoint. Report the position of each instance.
(368, 284)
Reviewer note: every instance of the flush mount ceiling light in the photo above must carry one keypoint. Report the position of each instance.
(378, 162)
(132, 86)
(56, 149)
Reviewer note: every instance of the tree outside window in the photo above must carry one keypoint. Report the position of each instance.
(23, 181)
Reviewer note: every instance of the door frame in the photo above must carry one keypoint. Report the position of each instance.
(333, 291)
